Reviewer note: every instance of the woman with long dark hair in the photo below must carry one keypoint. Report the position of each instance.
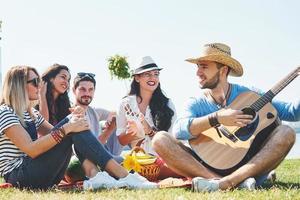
(145, 110)
(54, 100)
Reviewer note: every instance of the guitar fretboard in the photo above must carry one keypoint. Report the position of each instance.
(268, 96)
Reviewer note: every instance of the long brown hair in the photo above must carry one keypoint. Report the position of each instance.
(58, 108)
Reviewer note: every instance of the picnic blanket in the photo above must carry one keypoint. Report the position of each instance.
(166, 183)
(175, 183)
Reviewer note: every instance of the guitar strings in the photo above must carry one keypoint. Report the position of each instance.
(270, 94)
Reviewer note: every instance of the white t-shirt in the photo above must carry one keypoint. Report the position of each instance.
(122, 120)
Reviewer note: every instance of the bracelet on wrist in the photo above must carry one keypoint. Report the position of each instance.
(213, 120)
(151, 133)
(62, 131)
(55, 135)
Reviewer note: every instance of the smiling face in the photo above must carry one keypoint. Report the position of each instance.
(61, 82)
(208, 74)
(32, 85)
(148, 80)
(84, 93)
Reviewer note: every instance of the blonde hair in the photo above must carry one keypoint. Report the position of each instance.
(14, 92)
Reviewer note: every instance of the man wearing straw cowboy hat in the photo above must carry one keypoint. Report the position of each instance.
(211, 111)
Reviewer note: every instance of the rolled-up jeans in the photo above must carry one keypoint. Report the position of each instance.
(48, 168)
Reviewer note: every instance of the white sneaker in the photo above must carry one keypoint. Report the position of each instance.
(200, 184)
(136, 181)
(102, 180)
(248, 184)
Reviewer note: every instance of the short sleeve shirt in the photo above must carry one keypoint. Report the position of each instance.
(11, 156)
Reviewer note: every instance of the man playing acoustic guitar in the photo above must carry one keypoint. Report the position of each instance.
(234, 133)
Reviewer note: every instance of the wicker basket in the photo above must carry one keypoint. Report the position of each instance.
(149, 171)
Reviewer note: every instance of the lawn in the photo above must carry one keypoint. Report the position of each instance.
(287, 186)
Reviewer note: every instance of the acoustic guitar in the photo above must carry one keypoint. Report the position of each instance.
(225, 148)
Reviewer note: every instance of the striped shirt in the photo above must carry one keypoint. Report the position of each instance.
(11, 156)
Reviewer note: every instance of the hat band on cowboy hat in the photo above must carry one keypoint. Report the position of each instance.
(221, 53)
(146, 65)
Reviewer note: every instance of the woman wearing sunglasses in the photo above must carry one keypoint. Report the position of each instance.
(145, 110)
(54, 100)
(38, 163)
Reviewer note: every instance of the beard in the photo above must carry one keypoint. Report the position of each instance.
(212, 83)
(85, 100)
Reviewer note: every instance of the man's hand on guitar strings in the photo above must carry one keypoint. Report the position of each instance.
(231, 117)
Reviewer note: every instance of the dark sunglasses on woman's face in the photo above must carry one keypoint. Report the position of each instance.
(35, 82)
(83, 74)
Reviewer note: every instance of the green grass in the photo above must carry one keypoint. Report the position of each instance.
(287, 186)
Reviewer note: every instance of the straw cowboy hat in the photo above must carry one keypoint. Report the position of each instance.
(220, 53)
(146, 65)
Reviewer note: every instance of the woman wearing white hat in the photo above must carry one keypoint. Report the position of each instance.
(145, 110)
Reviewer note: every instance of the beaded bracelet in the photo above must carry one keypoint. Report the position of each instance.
(151, 133)
(62, 131)
(56, 136)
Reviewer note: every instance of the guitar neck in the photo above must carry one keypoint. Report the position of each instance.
(268, 96)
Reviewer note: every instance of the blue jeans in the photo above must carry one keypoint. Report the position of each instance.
(48, 168)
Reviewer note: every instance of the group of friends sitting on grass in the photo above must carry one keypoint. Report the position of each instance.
(41, 130)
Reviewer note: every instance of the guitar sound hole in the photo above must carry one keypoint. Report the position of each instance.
(250, 111)
(244, 133)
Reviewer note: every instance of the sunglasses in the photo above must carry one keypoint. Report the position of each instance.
(35, 82)
(84, 74)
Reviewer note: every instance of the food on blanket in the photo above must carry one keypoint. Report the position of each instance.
(144, 158)
(143, 163)
(141, 155)
(146, 161)
(136, 158)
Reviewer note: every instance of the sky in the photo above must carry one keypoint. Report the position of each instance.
(263, 36)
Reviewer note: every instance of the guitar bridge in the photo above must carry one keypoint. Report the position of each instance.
(221, 130)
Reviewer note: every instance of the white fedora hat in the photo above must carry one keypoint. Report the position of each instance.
(220, 53)
(146, 65)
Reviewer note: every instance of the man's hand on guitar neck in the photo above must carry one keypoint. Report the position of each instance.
(230, 117)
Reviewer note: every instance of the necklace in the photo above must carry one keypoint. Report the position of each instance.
(223, 103)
